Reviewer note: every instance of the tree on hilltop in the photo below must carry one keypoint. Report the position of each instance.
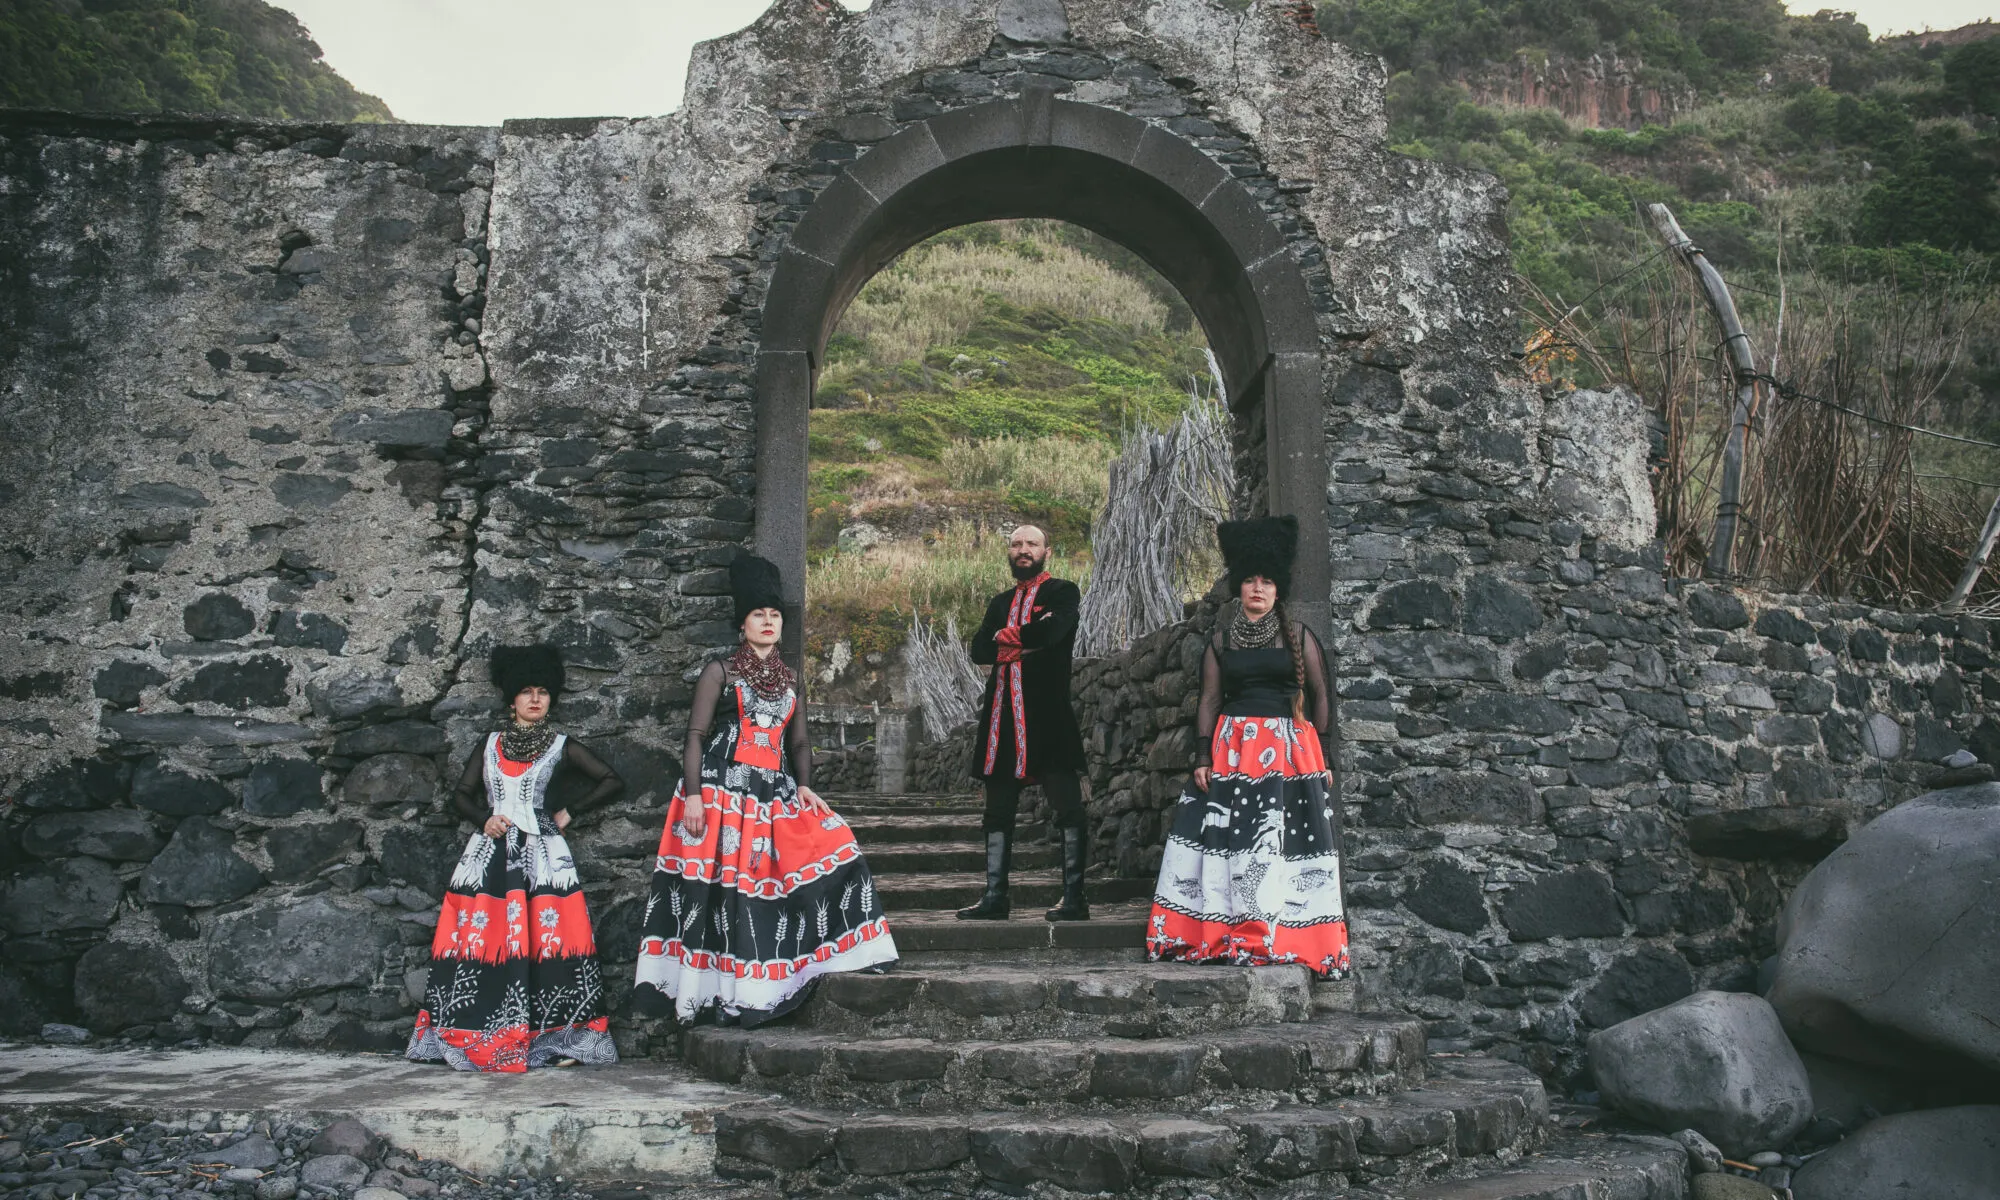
(240, 57)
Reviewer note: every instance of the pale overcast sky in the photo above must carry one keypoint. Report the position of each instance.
(479, 62)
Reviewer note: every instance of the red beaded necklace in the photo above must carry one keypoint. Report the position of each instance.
(767, 675)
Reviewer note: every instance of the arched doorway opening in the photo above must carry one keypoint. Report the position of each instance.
(1037, 156)
(998, 374)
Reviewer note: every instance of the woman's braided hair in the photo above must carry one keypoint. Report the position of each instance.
(1298, 663)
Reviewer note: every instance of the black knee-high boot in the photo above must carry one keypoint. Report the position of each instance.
(1075, 856)
(993, 906)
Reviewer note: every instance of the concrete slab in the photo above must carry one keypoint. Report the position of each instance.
(636, 1121)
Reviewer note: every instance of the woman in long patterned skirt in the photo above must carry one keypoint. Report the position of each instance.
(1251, 873)
(514, 981)
(759, 888)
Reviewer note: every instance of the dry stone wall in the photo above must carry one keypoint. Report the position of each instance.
(297, 422)
(243, 396)
(1574, 789)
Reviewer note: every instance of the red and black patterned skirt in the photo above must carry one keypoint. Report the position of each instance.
(1251, 872)
(772, 896)
(514, 981)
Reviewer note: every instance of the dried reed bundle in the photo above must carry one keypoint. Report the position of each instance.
(941, 676)
(1153, 543)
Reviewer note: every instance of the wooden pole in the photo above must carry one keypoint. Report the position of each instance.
(1742, 370)
(1976, 561)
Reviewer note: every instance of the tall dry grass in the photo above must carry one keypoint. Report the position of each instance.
(934, 293)
(1065, 470)
(1832, 502)
(953, 570)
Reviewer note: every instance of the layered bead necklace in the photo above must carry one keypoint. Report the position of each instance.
(1254, 635)
(767, 675)
(526, 743)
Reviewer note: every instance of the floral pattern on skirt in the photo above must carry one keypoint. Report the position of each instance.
(514, 981)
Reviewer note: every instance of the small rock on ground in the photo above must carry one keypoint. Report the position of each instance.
(346, 1137)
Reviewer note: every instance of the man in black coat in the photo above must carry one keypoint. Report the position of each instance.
(1027, 731)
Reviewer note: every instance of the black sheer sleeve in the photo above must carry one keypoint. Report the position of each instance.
(1209, 708)
(707, 694)
(609, 784)
(986, 651)
(1319, 698)
(1057, 624)
(798, 746)
(469, 797)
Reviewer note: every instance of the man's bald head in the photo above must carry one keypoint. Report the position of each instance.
(1027, 551)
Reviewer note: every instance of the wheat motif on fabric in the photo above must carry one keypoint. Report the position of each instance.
(514, 980)
(770, 896)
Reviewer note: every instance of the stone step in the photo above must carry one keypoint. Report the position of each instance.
(900, 804)
(1576, 1167)
(1454, 1123)
(1128, 1000)
(1298, 1062)
(950, 858)
(1030, 891)
(1113, 926)
(885, 829)
(862, 808)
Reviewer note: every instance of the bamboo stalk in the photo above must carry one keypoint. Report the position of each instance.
(1976, 561)
(1742, 370)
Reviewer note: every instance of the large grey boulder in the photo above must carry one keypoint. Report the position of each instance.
(119, 984)
(72, 893)
(1851, 1095)
(281, 951)
(1937, 1154)
(199, 867)
(1716, 1062)
(1890, 948)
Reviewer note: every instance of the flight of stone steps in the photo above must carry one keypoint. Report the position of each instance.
(928, 856)
(1006, 1060)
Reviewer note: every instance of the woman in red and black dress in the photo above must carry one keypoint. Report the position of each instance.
(759, 888)
(1251, 872)
(514, 981)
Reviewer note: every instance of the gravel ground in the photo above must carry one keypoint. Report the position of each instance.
(107, 1158)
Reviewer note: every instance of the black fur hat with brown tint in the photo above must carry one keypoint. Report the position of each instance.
(754, 583)
(518, 668)
(1264, 546)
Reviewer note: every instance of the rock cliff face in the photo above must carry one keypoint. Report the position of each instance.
(1603, 91)
(297, 422)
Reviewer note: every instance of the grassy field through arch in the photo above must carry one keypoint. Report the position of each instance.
(982, 380)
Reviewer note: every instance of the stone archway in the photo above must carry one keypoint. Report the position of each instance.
(1039, 156)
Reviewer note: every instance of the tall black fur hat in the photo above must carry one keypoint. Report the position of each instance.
(1263, 546)
(755, 584)
(517, 668)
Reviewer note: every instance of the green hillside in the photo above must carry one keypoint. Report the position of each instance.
(983, 379)
(240, 57)
(1848, 188)
(1866, 146)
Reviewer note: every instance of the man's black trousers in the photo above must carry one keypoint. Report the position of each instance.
(1003, 801)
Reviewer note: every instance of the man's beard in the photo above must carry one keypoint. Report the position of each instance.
(1028, 572)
